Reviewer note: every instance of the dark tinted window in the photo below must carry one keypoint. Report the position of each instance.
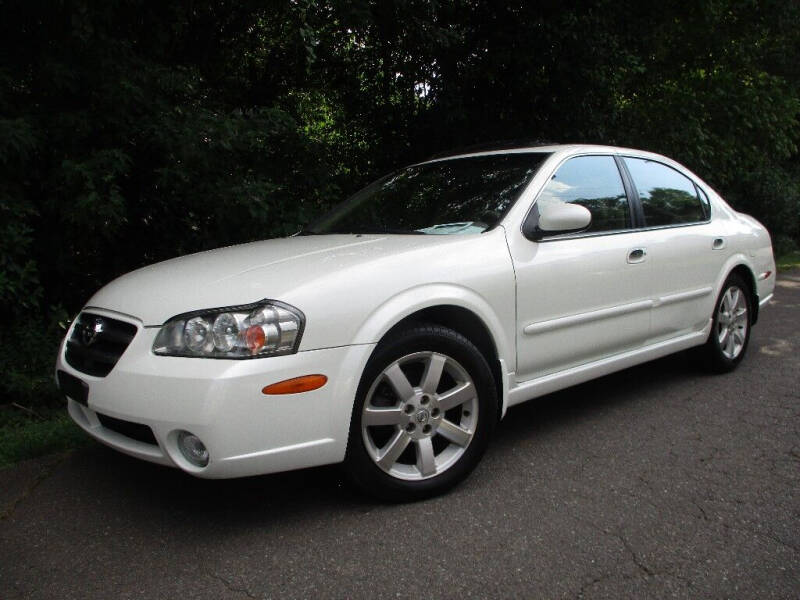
(593, 182)
(668, 198)
(705, 202)
(461, 195)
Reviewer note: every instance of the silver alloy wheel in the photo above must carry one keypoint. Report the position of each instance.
(424, 415)
(732, 322)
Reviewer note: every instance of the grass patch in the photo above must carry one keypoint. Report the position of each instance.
(24, 435)
(789, 261)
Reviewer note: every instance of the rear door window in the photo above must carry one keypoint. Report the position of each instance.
(667, 196)
(705, 202)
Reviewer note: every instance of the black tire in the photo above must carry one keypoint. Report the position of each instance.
(716, 356)
(423, 342)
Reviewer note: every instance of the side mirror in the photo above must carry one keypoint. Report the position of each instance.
(559, 217)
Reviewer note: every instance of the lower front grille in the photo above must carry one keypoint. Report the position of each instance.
(72, 387)
(135, 431)
(97, 343)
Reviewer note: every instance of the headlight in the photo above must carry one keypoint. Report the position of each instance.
(266, 328)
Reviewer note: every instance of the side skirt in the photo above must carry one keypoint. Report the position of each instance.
(528, 390)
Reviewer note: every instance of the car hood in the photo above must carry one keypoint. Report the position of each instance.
(274, 269)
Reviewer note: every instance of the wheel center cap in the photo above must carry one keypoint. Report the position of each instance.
(422, 416)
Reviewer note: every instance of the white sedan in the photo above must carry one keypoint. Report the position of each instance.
(395, 332)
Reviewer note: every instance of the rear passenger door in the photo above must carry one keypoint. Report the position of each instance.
(686, 249)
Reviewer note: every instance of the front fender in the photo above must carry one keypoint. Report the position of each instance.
(415, 299)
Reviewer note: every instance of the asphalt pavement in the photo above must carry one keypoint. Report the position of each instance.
(657, 482)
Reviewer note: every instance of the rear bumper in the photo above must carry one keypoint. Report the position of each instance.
(220, 401)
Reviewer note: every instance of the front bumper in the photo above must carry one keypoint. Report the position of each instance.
(220, 401)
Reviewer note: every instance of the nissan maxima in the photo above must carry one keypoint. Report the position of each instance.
(393, 334)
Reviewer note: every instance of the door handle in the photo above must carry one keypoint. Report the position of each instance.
(636, 255)
(718, 244)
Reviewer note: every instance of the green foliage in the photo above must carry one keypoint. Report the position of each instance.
(134, 131)
(27, 436)
(788, 261)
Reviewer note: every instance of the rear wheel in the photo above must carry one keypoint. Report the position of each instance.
(424, 411)
(730, 331)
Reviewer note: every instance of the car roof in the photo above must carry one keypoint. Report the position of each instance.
(564, 150)
(547, 148)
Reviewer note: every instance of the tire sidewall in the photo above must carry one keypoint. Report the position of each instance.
(359, 464)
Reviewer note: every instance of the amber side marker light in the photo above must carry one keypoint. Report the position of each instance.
(306, 383)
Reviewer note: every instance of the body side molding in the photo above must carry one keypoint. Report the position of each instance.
(595, 315)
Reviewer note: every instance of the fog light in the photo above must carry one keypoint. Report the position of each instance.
(192, 448)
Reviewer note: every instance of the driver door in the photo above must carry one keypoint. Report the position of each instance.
(586, 296)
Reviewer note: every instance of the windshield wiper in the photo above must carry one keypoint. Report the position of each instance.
(402, 231)
(361, 231)
(377, 230)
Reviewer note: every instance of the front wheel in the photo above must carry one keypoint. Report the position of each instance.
(424, 411)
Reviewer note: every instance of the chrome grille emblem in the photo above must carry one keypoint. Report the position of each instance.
(91, 331)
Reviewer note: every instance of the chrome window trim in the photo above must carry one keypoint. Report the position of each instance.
(573, 236)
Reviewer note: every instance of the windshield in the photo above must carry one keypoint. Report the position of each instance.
(455, 196)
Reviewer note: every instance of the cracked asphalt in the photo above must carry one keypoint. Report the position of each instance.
(657, 482)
